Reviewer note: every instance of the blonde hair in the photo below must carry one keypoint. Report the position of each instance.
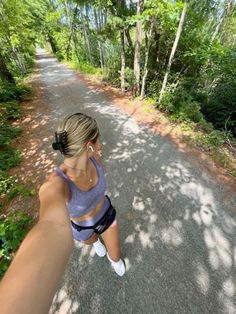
(80, 129)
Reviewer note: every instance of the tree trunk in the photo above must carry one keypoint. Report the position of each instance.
(72, 35)
(171, 58)
(226, 12)
(138, 42)
(86, 38)
(129, 40)
(52, 42)
(18, 60)
(98, 26)
(122, 70)
(5, 74)
(145, 70)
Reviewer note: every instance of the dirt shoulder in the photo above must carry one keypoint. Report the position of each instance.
(35, 162)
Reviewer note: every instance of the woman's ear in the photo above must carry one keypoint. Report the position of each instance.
(89, 147)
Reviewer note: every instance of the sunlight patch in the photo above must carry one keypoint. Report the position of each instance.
(138, 203)
(171, 236)
(229, 287)
(214, 260)
(145, 239)
(130, 239)
(197, 218)
(202, 278)
(210, 242)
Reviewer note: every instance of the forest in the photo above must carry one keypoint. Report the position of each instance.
(179, 54)
(182, 54)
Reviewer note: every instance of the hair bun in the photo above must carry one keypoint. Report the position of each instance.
(55, 146)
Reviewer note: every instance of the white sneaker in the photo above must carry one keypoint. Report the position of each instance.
(119, 267)
(100, 249)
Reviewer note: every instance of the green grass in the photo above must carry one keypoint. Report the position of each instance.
(86, 68)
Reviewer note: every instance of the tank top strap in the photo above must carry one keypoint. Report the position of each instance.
(95, 162)
(62, 174)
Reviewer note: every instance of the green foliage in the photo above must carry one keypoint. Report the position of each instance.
(215, 138)
(9, 187)
(9, 157)
(181, 105)
(167, 103)
(10, 111)
(86, 67)
(205, 126)
(7, 133)
(220, 108)
(11, 91)
(153, 88)
(12, 231)
(129, 79)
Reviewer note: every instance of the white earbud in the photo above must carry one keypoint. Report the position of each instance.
(91, 149)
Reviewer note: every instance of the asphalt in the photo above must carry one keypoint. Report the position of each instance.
(177, 231)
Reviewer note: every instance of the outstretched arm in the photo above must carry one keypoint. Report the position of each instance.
(32, 279)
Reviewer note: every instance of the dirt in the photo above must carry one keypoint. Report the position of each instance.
(35, 163)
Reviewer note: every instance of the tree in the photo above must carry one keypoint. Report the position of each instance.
(137, 48)
(171, 58)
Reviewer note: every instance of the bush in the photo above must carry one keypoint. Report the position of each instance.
(12, 231)
(10, 110)
(181, 105)
(153, 88)
(215, 138)
(10, 91)
(167, 103)
(9, 187)
(205, 126)
(9, 157)
(221, 105)
(87, 68)
(7, 133)
(129, 79)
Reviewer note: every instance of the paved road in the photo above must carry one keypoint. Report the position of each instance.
(177, 233)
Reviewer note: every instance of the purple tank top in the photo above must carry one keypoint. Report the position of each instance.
(81, 202)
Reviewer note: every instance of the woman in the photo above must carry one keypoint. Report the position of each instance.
(81, 180)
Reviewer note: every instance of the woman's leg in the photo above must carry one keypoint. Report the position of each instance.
(111, 239)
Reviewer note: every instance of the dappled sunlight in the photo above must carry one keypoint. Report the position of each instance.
(63, 303)
(202, 278)
(172, 235)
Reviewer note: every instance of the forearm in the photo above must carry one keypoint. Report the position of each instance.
(32, 279)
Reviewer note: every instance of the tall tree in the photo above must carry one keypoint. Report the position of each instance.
(137, 48)
(174, 47)
(148, 37)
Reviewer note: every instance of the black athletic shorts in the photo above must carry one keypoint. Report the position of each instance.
(103, 224)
